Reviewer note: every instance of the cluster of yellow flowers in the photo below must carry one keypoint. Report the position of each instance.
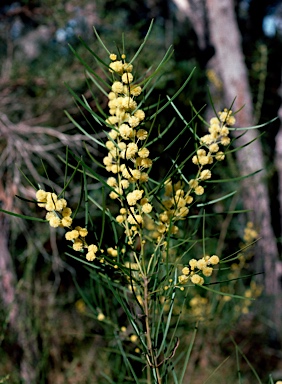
(59, 215)
(209, 150)
(176, 201)
(203, 266)
(250, 234)
(199, 307)
(127, 158)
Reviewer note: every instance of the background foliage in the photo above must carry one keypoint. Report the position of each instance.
(35, 63)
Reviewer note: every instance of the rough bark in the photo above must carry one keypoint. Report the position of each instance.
(278, 157)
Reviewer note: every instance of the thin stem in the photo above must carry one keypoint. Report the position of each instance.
(152, 360)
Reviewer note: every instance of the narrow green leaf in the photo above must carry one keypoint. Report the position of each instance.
(66, 183)
(28, 180)
(223, 293)
(217, 200)
(247, 361)
(83, 62)
(23, 216)
(167, 325)
(188, 354)
(175, 95)
(103, 217)
(143, 43)
(254, 126)
(100, 41)
(216, 369)
(233, 179)
(83, 131)
(97, 84)
(184, 121)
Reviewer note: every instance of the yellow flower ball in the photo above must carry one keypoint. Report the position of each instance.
(196, 279)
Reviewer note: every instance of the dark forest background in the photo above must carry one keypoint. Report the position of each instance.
(45, 335)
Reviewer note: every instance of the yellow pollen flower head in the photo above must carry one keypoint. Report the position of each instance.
(124, 183)
(131, 150)
(127, 67)
(113, 134)
(125, 131)
(214, 147)
(101, 317)
(231, 120)
(136, 219)
(213, 260)
(142, 134)
(112, 96)
(127, 78)
(201, 264)
(135, 90)
(183, 279)
(82, 231)
(144, 177)
(220, 156)
(147, 208)
(224, 131)
(66, 221)
(193, 263)
(225, 140)
(133, 338)
(54, 222)
(112, 182)
(214, 120)
(140, 114)
(186, 271)
(92, 248)
(189, 199)
(199, 190)
(133, 121)
(120, 218)
(196, 279)
(146, 163)
(116, 66)
(128, 103)
(41, 197)
(117, 87)
(90, 256)
(193, 183)
(113, 56)
(182, 212)
(50, 215)
(66, 212)
(204, 160)
(207, 271)
(201, 152)
(205, 174)
(174, 229)
(77, 245)
(144, 153)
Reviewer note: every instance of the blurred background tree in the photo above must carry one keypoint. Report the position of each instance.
(35, 62)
